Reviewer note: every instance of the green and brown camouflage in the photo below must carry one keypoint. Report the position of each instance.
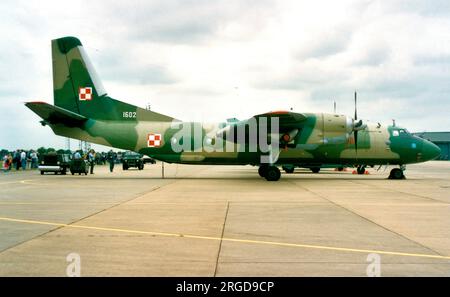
(83, 110)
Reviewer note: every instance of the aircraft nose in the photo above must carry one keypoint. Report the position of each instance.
(430, 151)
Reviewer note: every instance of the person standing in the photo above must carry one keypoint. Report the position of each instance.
(5, 163)
(111, 159)
(77, 155)
(16, 159)
(91, 158)
(34, 159)
(10, 162)
(23, 159)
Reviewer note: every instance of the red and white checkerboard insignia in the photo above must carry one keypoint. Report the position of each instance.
(154, 140)
(85, 94)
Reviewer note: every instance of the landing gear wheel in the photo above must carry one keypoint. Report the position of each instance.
(361, 169)
(340, 169)
(262, 171)
(288, 169)
(315, 169)
(396, 173)
(273, 173)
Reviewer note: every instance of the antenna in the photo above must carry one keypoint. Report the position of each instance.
(334, 104)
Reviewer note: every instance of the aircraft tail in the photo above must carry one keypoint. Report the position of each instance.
(78, 89)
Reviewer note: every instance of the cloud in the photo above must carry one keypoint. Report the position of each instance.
(212, 60)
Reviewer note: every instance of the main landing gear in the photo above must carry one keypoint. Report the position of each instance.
(288, 168)
(397, 173)
(270, 173)
(361, 169)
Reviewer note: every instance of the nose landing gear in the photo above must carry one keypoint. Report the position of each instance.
(397, 173)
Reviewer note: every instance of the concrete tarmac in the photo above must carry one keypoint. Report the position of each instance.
(226, 221)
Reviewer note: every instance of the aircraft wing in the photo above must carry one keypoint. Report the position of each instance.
(287, 120)
(56, 115)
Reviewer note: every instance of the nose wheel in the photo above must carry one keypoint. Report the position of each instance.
(270, 173)
(396, 173)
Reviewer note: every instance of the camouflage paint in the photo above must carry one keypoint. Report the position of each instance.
(321, 138)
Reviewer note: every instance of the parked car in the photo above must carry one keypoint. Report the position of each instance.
(132, 159)
(53, 162)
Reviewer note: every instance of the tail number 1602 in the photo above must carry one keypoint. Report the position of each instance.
(129, 114)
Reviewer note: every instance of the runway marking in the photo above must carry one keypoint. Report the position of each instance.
(260, 242)
(24, 182)
(10, 182)
(46, 203)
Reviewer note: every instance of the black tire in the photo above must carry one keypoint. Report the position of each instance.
(340, 168)
(42, 172)
(124, 167)
(315, 169)
(273, 173)
(262, 170)
(288, 169)
(72, 173)
(361, 169)
(396, 173)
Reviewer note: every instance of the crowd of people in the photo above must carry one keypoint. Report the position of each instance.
(23, 160)
(20, 160)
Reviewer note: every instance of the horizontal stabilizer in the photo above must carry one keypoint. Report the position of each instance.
(56, 115)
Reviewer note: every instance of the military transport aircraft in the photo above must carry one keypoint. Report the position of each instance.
(83, 110)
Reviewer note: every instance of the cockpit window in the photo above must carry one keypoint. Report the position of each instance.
(401, 132)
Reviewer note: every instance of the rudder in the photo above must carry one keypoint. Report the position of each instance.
(77, 87)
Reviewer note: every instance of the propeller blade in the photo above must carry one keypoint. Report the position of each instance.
(356, 125)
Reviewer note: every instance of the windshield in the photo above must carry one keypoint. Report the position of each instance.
(132, 154)
(400, 132)
(51, 159)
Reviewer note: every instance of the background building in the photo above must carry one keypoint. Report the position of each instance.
(441, 139)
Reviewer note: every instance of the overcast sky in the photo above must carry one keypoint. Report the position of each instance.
(211, 60)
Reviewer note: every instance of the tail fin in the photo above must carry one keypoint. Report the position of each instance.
(77, 87)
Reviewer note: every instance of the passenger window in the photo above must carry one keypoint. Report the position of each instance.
(395, 133)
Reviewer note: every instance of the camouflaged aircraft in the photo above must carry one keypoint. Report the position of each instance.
(83, 110)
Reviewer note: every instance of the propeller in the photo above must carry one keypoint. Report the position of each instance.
(355, 131)
(357, 125)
